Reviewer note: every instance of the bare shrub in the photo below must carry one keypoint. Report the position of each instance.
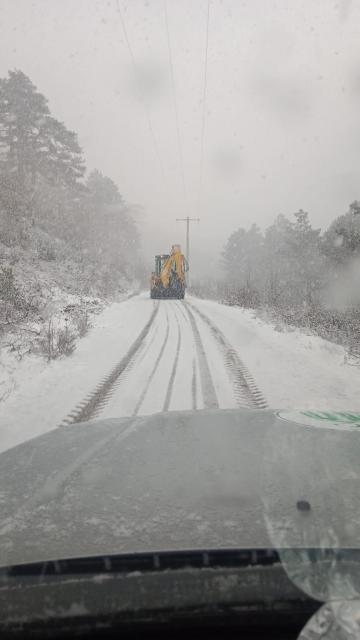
(8, 289)
(65, 341)
(15, 306)
(47, 343)
(46, 252)
(83, 324)
(57, 342)
(247, 297)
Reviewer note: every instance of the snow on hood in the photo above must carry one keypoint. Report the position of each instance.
(204, 479)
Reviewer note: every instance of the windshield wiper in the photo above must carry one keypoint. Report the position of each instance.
(145, 562)
(244, 587)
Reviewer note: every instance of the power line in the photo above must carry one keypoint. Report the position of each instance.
(136, 74)
(181, 160)
(204, 94)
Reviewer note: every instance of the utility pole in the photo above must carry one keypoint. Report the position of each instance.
(188, 220)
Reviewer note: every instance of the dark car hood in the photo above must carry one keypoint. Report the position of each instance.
(205, 479)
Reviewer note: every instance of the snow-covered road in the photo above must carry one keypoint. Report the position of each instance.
(144, 356)
(180, 363)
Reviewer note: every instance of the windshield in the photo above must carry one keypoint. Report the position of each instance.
(179, 277)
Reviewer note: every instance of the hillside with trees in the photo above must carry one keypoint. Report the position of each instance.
(67, 239)
(298, 274)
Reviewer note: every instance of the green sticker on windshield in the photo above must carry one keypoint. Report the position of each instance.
(338, 417)
(323, 419)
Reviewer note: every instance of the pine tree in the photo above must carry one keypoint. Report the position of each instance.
(304, 258)
(32, 142)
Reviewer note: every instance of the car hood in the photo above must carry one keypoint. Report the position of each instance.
(179, 480)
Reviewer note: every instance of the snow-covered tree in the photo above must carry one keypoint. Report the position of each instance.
(32, 142)
(341, 242)
(283, 267)
(304, 262)
(243, 255)
(113, 234)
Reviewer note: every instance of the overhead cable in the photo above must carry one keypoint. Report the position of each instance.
(204, 94)
(179, 145)
(143, 101)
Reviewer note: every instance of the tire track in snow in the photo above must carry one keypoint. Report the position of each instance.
(181, 305)
(136, 361)
(157, 362)
(145, 351)
(246, 392)
(174, 368)
(194, 386)
(207, 385)
(95, 401)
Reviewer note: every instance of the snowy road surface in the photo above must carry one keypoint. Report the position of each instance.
(144, 356)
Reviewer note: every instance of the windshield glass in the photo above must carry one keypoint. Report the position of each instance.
(179, 277)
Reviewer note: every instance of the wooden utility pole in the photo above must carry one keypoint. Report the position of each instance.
(188, 220)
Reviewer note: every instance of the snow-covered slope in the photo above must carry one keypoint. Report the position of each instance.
(46, 305)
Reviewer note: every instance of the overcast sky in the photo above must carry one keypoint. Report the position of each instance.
(282, 109)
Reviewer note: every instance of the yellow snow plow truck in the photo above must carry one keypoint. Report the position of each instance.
(168, 279)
